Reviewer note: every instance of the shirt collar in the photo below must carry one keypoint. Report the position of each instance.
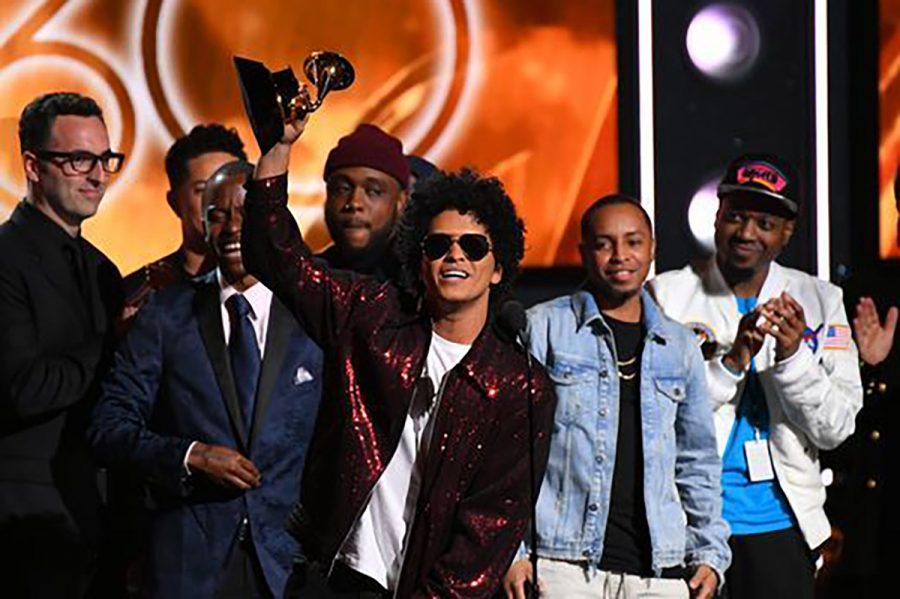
(258, 295)
(586, 311)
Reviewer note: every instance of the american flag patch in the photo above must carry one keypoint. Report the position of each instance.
(837, 336)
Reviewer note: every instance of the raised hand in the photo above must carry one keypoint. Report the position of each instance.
(785, 321)
(874, 339)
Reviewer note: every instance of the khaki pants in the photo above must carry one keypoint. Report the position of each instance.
(573, 580)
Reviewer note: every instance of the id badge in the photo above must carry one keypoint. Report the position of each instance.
(759, 462)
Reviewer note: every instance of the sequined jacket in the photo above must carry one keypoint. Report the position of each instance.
(473, 506)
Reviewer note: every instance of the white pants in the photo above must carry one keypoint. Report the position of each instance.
(573, 580)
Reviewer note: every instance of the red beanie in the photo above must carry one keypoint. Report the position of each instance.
(369, 146)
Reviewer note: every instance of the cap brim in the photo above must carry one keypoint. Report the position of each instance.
(787, 204)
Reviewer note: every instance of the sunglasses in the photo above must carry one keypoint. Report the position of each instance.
(474, 245)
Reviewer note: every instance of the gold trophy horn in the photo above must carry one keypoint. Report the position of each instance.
(273, 99)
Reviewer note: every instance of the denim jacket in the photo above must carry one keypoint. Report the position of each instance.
(682, 470)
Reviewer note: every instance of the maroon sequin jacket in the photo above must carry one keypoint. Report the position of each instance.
(473, 506)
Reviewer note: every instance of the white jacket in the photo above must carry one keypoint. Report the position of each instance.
(813, 396)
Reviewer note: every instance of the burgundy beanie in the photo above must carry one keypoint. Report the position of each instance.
(369, 146)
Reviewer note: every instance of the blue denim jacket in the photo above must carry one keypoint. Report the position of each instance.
(682, 469)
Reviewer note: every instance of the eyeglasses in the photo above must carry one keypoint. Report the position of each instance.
(83, 163)
(474, 245)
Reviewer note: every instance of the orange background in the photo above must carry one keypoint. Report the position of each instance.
(522, 90)
(889, 125)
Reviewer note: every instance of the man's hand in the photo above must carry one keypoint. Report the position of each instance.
(747, 343)
(275, 161)
(786, 322)
(703, 583)
(514, 582)
(874, 340)
(224, 466)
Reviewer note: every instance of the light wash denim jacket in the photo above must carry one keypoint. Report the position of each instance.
(682, 470)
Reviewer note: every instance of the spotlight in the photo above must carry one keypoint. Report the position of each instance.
(723, 41)
(702, 215)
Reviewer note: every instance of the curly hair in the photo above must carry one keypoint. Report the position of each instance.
(469, 193)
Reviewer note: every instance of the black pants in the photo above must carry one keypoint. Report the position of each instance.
(344, 583)
(771, 565)
(243, 577)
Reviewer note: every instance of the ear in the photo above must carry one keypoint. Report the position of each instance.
(402, 199)
(172, 201)
(497, 275)
(790, 225)
(32, 166)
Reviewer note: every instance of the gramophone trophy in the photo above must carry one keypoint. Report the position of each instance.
(273, 99)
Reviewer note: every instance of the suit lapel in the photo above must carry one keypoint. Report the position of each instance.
(281, 326)
(209, 317)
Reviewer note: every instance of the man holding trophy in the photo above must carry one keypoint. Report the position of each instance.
(415, 485)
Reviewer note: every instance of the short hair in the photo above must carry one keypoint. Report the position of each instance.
(469, 193)
(614, 199)
(38, 116)
(202, 139)
(229, 169)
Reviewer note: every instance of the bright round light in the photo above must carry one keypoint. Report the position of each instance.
(723, 41)
(702, 216)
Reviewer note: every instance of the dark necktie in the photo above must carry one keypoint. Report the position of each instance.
(244, 352)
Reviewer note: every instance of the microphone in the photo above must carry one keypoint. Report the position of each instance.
(512, 323)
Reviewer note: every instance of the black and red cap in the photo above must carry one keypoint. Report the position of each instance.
(765, 180)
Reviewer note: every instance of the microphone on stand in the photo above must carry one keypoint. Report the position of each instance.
(512, 323)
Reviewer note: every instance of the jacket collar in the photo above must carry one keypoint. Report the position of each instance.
(586, 311)
(775, 282)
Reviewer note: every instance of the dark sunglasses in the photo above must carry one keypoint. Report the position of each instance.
(474, 245)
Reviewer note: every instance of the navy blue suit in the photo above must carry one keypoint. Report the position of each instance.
(171, 384)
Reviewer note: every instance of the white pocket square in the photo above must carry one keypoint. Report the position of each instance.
(302, 375)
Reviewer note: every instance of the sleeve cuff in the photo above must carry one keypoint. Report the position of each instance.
(184, 461)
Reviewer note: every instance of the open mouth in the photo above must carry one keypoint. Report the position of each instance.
(231, 247)
(621, 275)
(454, 275)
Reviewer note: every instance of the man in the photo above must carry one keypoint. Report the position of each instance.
(862, 499)
(189, 163)
(783, 378)
(416, 484)
(212, 400)
(366, 177)
(631, 501)
(59, 296)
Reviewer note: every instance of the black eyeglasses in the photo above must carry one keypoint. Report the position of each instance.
(474, 245)
(84, 162)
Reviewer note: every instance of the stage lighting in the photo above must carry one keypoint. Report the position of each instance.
(723, 41)
(702, 216)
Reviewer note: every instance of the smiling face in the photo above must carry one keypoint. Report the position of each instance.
(361, 208)
(747, 239)
(616, 251)
(64, 195)
(455, 281)
(224, 217)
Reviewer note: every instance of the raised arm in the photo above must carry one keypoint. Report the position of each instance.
(274, 252)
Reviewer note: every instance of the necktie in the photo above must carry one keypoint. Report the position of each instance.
(244, 352)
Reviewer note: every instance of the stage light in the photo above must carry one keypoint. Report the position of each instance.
(723, 41)
(702, 216)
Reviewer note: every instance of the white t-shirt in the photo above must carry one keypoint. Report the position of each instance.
(376, 545)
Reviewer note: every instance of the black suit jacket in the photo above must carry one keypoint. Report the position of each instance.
(55, 342)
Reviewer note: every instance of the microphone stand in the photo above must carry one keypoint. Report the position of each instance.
(533, 485)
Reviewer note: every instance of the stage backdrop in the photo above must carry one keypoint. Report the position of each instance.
(524, 90)
(889, 125)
